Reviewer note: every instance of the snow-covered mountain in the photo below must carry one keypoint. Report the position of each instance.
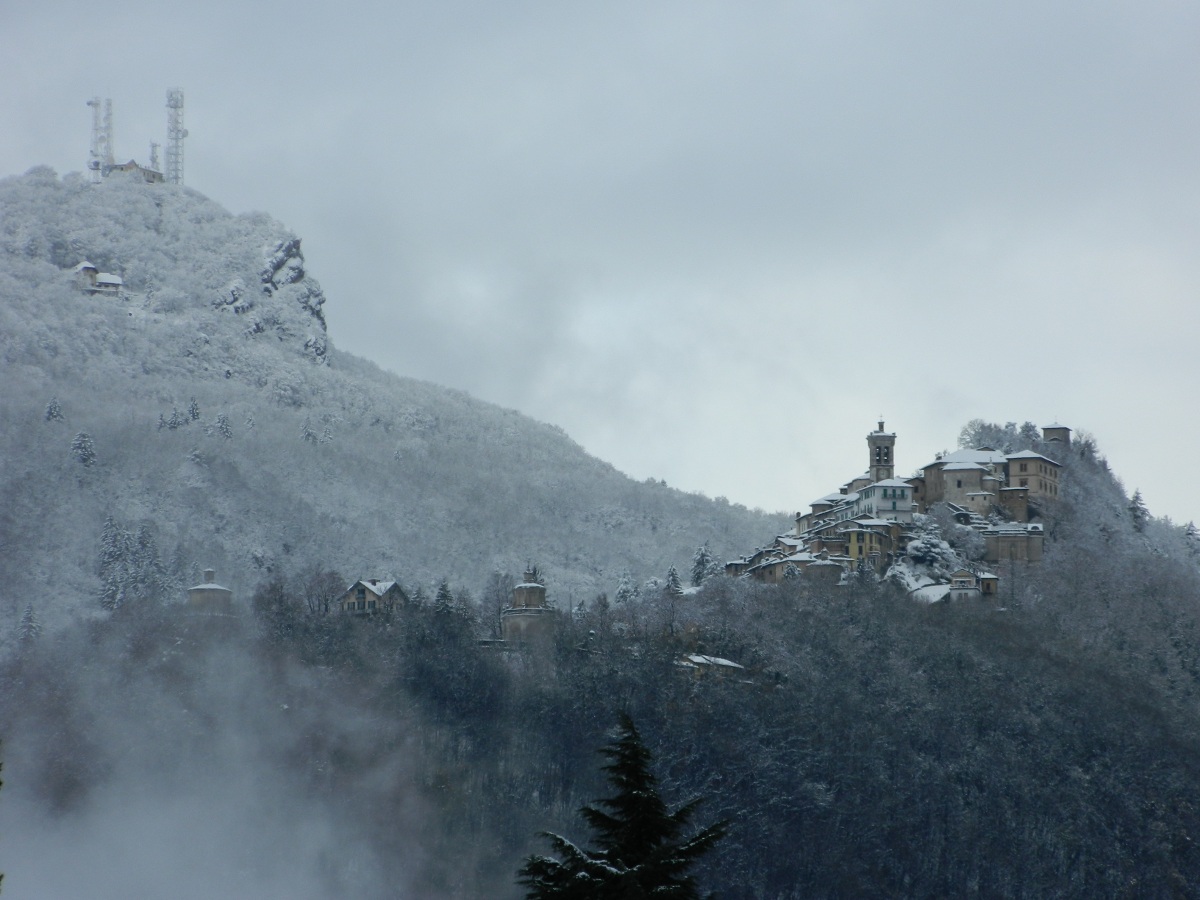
(203, 406)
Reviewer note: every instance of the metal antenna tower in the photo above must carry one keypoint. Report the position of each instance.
(108, 134)
(101, 156)
(175, 135)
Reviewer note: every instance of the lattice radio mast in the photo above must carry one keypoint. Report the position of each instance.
(175, 135)
(101, 157)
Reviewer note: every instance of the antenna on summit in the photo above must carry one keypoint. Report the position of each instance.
(101, 157)
(175, 135)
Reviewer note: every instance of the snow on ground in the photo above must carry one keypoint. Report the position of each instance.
(918, 585)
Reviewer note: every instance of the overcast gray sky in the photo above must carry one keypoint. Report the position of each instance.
(712, 241)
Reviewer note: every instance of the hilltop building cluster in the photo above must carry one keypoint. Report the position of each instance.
(102, 159)
(868, 521)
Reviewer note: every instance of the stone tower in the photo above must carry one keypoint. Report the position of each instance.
(1059, 434)
(528, 617)
(882, 446)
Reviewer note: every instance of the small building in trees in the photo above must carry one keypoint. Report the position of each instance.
(210, 597)
(92, 281)
(700, 666)
(967, 583)
(150, 176)
(370, 595)
(528, 618)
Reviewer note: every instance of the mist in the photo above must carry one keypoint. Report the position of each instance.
(162, 758)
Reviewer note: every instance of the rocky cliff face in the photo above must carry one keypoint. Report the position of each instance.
(289, 303)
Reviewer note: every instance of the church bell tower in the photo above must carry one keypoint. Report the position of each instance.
(882, 446)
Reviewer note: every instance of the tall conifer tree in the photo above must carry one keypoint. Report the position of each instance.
(639, 851)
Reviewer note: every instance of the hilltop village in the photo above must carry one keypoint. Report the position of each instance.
(868, 523)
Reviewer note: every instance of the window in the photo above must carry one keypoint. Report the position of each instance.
(360, 594)
(1024, 467)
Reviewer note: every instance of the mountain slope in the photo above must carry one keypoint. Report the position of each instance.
(225, 426)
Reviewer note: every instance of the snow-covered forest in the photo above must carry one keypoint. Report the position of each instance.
(220, 424)
(1041, 743)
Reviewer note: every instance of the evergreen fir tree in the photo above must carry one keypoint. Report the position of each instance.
(148, 578)
(639, 851)
(30, 628)
(116, 550)
(307, 434)
(673, 585)
(194, 410)
(223, 428)
(703, 565)
(443, 600)
(1191, 537)
(1138, 511)
(84, 449)
(53, 411)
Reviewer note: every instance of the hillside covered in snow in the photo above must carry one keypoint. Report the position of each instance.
(201, 409)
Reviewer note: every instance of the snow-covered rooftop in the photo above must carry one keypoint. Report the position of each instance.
(1030, 454)
(209, 586)
(699, 659)
(379, 588)
(982, 455)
